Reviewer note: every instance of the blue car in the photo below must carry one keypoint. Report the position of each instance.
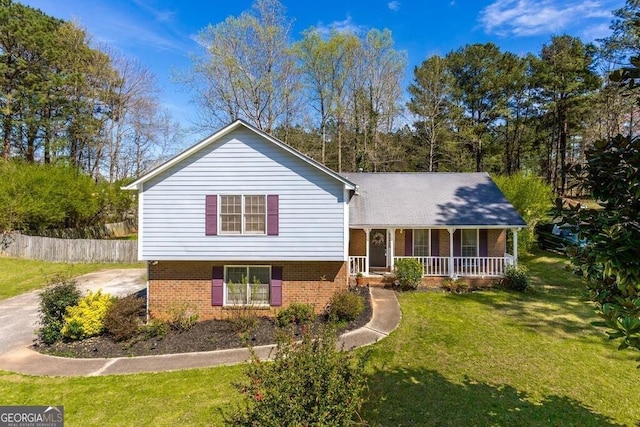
(558, 238)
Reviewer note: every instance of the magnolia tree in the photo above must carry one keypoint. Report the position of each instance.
(610, 261)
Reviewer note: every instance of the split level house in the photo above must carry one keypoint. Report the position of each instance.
(242, 219)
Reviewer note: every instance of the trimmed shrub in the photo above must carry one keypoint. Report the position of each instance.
(297, 314)
(344, 306)
(87, 318)
(123, 317)
(409, 272)
(53, 306)
(308, 383)
(515, 278)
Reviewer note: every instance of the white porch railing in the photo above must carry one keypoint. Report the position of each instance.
(509, 259)
(433, 265)
(441, 266)
(357, 264)
(479, 266)
(464, 266)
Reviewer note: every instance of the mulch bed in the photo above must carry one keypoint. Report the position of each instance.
(203, 336)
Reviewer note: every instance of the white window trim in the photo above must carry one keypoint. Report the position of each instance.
(224, 286)
(428, 241)
(477, 230)
(243, 231)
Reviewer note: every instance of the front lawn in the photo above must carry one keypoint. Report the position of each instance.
(186, 398)
(485, 358)
(501, 358)
(18, 275)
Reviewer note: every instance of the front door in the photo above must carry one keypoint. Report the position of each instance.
(378, 248)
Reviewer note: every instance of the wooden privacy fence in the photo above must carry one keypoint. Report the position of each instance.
(69, 250)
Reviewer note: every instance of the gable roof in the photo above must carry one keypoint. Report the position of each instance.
(406, 200)
(224, 131)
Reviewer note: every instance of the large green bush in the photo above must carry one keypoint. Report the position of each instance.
(53, 305)
(86, 319)
(409, 272)
(308, 383)
(36, 196)
(515, 278)
(531, 197)
(344, 306)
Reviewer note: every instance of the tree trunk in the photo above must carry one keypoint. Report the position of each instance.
(6, 129)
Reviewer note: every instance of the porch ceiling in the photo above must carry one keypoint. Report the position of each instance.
(405, 200)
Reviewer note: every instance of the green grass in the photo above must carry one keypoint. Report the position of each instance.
(188, 398)
(501, 358)
(485, 358)
(19, 275)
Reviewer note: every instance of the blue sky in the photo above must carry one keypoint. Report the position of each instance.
(159, 33)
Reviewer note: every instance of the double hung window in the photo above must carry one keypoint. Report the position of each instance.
(469, 243)
(242, 214)
(247, 285)
(421, 242)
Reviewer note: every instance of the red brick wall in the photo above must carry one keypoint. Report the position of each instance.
(173, 282)
(400, 246)
(357, 242)
(496, 242)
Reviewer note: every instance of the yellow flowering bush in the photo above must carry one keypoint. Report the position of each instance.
(87, 318)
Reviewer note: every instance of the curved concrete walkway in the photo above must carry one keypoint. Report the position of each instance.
(386, 317)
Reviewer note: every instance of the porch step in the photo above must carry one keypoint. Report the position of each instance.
(377, 280)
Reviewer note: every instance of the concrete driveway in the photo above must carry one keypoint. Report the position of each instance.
(19, 315)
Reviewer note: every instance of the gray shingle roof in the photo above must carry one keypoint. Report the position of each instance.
(405, 200)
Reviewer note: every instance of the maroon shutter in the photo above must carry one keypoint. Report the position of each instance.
(273, 227)
(435, 242)
(211, 215)
(408, 242)
(483, 244)
(276, 286)
(457, 243)
(217, 286)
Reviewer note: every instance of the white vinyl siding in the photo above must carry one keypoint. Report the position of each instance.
(311, 205)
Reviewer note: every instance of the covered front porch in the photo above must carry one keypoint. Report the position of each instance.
(443, 252)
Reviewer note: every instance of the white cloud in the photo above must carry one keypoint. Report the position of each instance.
(345, 26)
(521, 18)
(158, 14)
(394, 5)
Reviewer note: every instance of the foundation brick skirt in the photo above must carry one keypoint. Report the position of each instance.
(172, 283)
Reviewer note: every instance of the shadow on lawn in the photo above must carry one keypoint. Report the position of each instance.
(407, 397)
(557, 315)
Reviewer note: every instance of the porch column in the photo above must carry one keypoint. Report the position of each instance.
(391, 247)
(451, 264)
(366, 260)
(515, 246)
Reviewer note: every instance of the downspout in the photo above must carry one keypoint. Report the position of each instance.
(147, 285)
